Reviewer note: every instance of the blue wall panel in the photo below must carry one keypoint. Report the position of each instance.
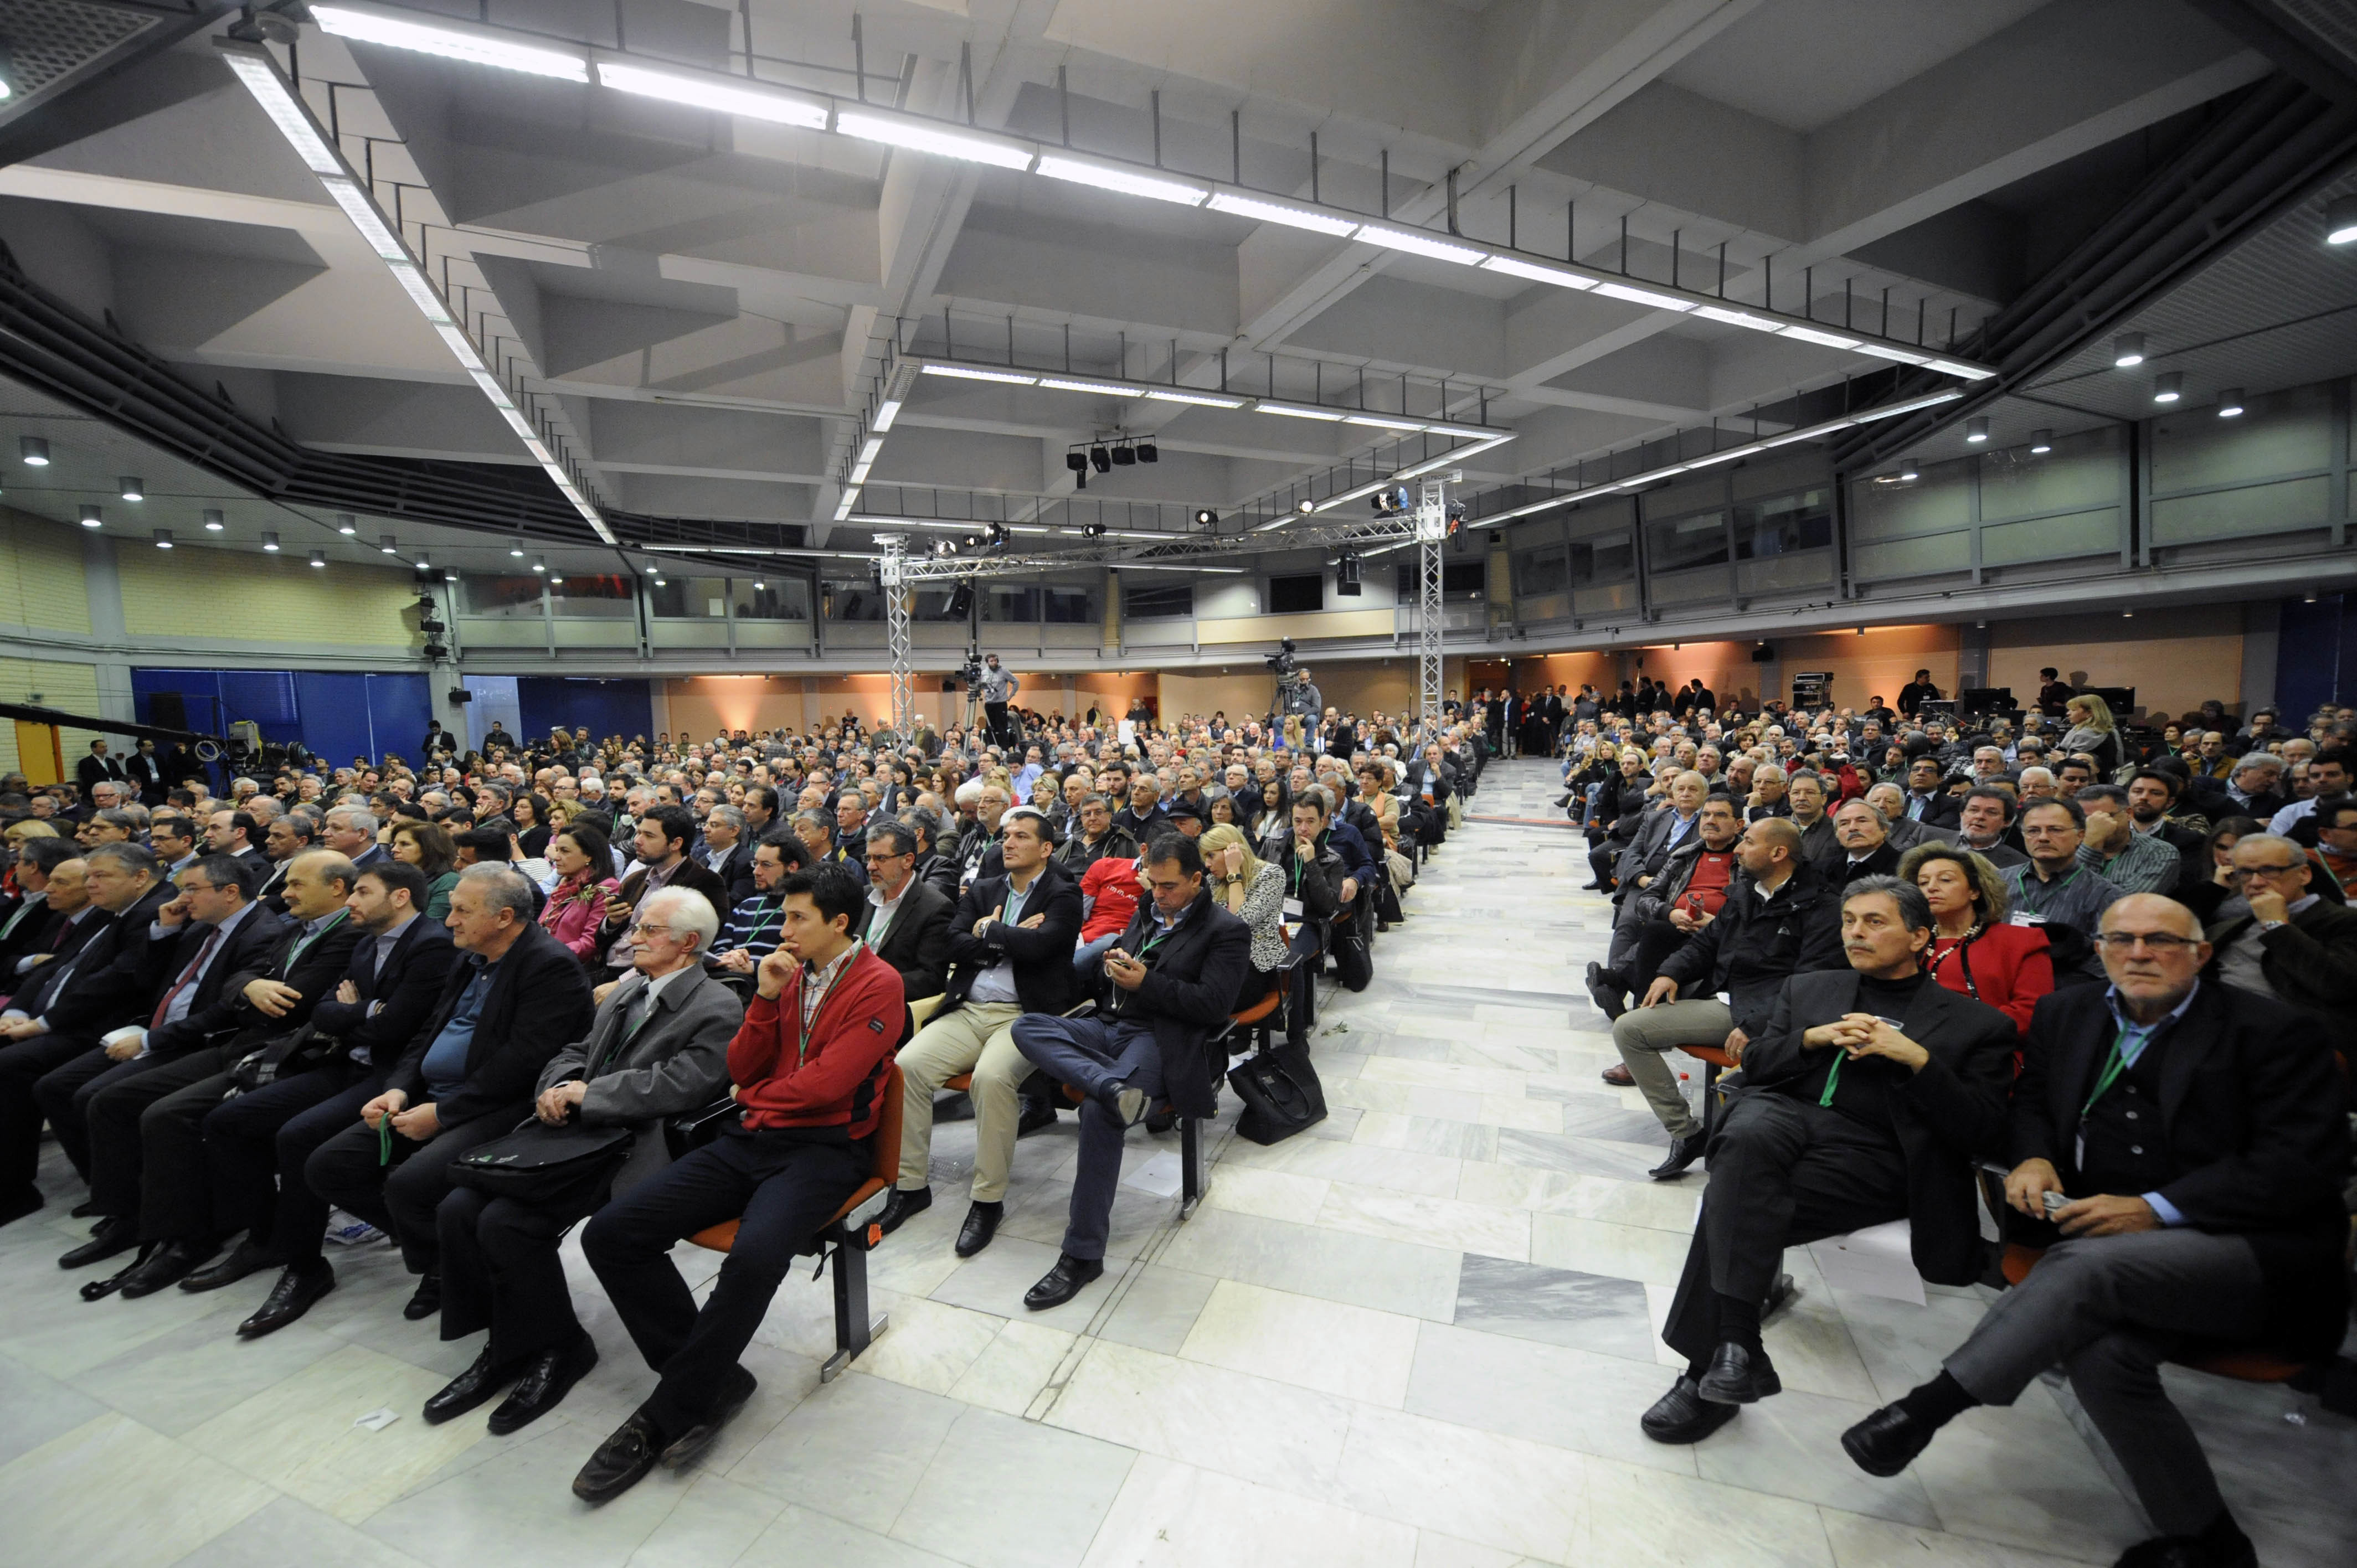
(2316, 661)
(336, 716)
(607, 707)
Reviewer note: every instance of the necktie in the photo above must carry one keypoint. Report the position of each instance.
(187, 978)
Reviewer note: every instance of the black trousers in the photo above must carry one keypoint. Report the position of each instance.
(783, 1185)
(257, 1145)
(1783, 1172)
(398, 1194)
(125, 1130)
(65, 1094)
(23, 1066)
(500, 1271)
(1001, 727)
(1656, 940)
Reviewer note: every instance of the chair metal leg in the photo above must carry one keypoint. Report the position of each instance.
(853, 1329)
(1709, 1101)
(1191, 1163)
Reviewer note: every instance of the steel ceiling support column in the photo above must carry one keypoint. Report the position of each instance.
(1431, 531)
(895, 631)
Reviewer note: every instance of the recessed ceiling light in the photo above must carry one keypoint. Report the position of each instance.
(318, 557)
(34, 450)
(1976, 429)
(131, 488)
(92, 517)
(2041, 441)
(388, 544)
(2168, 386)
(270, 543)
(346, 524)
(2230, 403)
(2127, 350)
(540, 563)
(163, 539)
(214, 520)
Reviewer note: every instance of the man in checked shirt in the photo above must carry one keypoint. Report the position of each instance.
(809, 1066)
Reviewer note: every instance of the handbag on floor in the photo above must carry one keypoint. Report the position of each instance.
(1280, 1092)
(538, 1164)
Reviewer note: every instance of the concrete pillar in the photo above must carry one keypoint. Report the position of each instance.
(2262, 651)
(103, 589)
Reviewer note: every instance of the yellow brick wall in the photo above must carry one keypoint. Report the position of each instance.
(197, 592)
(70, 687)
(40, 574)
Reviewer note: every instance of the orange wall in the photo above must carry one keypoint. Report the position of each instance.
(2177, 660)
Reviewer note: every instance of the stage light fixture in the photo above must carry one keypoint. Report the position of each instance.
(2230, 403)
(2127, 350)
(270, 544)
(1101, 459)
(1305, 506)
(1147, 452)
(1205, 517)
(2041, 442)
(1976, 429)
(2168, 386)
(34, 450)
(1125, 456)
(1077, 461)
(92, 517)
(1092, 530)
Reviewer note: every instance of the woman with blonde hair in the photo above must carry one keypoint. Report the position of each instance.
(1973, 951)
(2093, 731)
(1252, 890)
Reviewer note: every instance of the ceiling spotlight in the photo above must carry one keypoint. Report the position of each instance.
(2127, 350)
(2309, 597)
(1908, 471)
(163, 539)
(34, 450)
(1976, 429)
(318, 557)
(214, 520)
(1147, 452)
(388, 544)
(2230, 403)
(346, 524)
(2341, 220)
(91, 517)
(2128, 615)
(516, 549)
(133, 490)
(420, 563)
(974, 542)
(1305, 506)
(1124, 457)
(1205, 517)
(1101, 459)
(270, 543)
(1077, 461)
(2041, 441)
(1092, 530)
(2168, 386)
(760, 586)
(540, 563)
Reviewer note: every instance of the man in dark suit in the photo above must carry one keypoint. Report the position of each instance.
(1865, 850)
(2195, 1138)
(256, 1143)
(33, 927)
(905, 921)
(147, 1141)
(467, 1077)
(728, 853)
(1864, 1099)
(2282, 938)
(1168, 984)
(193, 947)
(658, 1046)
(662, 840)
(237, 833)
(1010, 954)
(97, 769)
(1927, 800)
(144, 770)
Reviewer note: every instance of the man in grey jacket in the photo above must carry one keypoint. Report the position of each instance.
(658, 1046)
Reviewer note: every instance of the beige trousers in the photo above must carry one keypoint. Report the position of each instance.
(977, 1038)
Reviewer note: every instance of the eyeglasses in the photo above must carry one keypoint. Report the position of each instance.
(2127, 942)
(2262, 870)
(642, 929)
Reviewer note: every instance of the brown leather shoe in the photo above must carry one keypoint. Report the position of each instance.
(1618, 1076)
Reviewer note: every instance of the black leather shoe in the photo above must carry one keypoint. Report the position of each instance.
(547, 1379)
(481, 1380)
(24, 1201)
(1684, 1152)
(1739, 1375)
(1127, 1105)
(904, 1202)
(426, 1300)
(1038, 1115)
(1611, 998)
(100, 1289)
(248, 1257)
(690, 1445)
(620, 1463)
(298, 1287)
(84, 1209)
(1619, 1075)
(2222, 1545)
(113, 1235)
(168, 1265)
(1886, 1442)
(1780, 1295)
(981, 1224)
(1063, 1282)
(1682, 1415)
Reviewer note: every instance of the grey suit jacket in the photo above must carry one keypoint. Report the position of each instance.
(678, 1061)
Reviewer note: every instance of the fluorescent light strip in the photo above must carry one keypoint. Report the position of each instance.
(722, 94)
(1737, 318)
(1125, 182)
(1883, 352)
(1417, 244)
(451, 40)
(278, 101)
(361, 210)
(929, 136)
(1514, 267)
(1644, 296)
(1240, 206)
(974, 373)
(1956, 368)
(1298, 411)
(1490, 438)
(1199, 400)
(874, 445)
(1101, 389)
(1384, 421)
(421, 293)
(886, 413)
(858, 475)
(1812, 335)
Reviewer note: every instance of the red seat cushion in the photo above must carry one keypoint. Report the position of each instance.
(1715, 1055)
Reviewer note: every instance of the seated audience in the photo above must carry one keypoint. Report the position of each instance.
(1864, 835)
(1973, 950)
(2279, 936)
(575, 914)
(1985, 826)
(657, 1046)
(1252, 890)
(907, 921)
(1867, 1096)
(2129, 860)
(2214, 1213)
(801, 1151)
(2057, 887)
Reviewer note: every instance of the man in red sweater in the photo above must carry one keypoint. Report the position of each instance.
(809, 1066)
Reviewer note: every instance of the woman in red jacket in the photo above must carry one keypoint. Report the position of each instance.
(1973, 950)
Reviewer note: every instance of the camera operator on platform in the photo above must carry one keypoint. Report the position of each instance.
(998, 683)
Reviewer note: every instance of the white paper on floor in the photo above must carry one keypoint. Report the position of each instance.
(1162, 1176)
(1873, 1262)
(379, 1419)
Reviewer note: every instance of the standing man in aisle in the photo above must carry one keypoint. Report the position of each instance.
(999, 685)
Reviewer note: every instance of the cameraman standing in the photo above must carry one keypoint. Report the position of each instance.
(997, 685)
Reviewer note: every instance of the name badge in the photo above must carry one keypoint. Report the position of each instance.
(1293, 908)
(2025, 918)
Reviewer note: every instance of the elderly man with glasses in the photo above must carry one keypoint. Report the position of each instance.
(2279, 936)
(2179, 1145)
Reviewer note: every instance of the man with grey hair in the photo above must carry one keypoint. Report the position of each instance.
(351, 831)
(907, 921)
(516, 997)
(725, 852)
(657, 1046)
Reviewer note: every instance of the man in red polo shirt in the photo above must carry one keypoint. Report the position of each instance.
(810, 1065)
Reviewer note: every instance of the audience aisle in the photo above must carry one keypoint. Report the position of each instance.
(1420, 1336)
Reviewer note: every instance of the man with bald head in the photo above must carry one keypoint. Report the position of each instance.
(2178, 1145)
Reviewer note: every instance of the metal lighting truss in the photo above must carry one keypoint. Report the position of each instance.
(891, 572)
(1431, 529)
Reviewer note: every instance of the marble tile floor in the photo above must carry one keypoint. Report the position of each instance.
(1418, 1336)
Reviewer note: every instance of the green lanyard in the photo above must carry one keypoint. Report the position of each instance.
(2030, 877)
(303, 944)
(1832, 1076)
(2114, 1064)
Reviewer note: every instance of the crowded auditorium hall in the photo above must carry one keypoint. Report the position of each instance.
(1419, 784)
